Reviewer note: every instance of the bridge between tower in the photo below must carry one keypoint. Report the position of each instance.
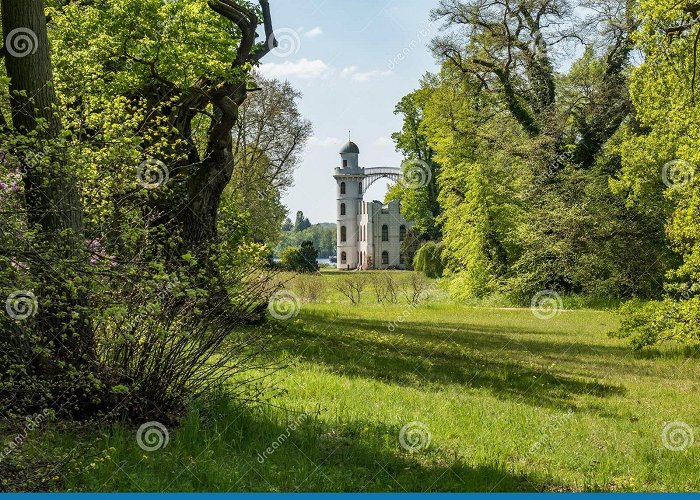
(372, 175)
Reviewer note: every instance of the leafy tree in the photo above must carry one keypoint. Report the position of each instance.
(428, 260)
(300, 259)
(526, 153)
(419, 192)
(478, 180)
(660, 161)
(178, 74)
(115, 166)
(268, 138)
(287, 225)
(51, 192)
(301, 222)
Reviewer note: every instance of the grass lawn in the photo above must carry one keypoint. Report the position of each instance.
(507, 401)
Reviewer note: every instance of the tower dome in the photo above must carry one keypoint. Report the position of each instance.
(350, 148)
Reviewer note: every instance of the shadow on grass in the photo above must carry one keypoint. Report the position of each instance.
(223, 448)
(421, 354)
(672, 352)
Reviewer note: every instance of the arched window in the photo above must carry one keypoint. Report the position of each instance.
(343, 258)
(357, 233)
(402, 233)
(342, 188)
(385, 233)
(343, 234)
(342, 209)
(360, 188)
(385, 258)
(345, 163)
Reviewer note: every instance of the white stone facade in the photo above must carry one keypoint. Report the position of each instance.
(370, 234)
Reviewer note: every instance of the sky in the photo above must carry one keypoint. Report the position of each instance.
(353, 60)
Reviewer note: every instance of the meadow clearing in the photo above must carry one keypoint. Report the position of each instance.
(449, 398)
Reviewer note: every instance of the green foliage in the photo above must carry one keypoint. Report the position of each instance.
(419, 193)
(529, 166)
(660, 173)
(660, 321)
(477, 184)
(300, 259)
(135, 328)
(428, 260)
(302, 222)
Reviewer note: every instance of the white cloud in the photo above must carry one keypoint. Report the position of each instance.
(348, 72)
(314, 32)
(303, 69)
(325, 143)
(309, 69)
(355, 75)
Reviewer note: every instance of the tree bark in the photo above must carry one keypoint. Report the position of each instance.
(206, 184)
(52, 196)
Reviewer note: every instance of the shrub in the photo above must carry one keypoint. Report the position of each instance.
(300, 259)
(352, 287)
(310, 288)
(660, 321)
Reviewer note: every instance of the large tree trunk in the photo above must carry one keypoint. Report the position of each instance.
(206, 185)
(52, 196)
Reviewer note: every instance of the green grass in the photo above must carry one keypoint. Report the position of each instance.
(511, 402)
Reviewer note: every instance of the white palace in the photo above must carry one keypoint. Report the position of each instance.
(370, 234)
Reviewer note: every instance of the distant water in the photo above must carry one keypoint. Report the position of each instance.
(320, 261)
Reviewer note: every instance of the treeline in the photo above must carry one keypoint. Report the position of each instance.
(323, 236)
(539, 172)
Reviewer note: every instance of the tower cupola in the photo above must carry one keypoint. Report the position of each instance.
(349, 156)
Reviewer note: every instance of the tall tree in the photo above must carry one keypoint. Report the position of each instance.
(210, 173)
(178, 72)
(661, 159)
(52, 196)
(511, 47)
(419, 194)
(269, 135)
(301, 222)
